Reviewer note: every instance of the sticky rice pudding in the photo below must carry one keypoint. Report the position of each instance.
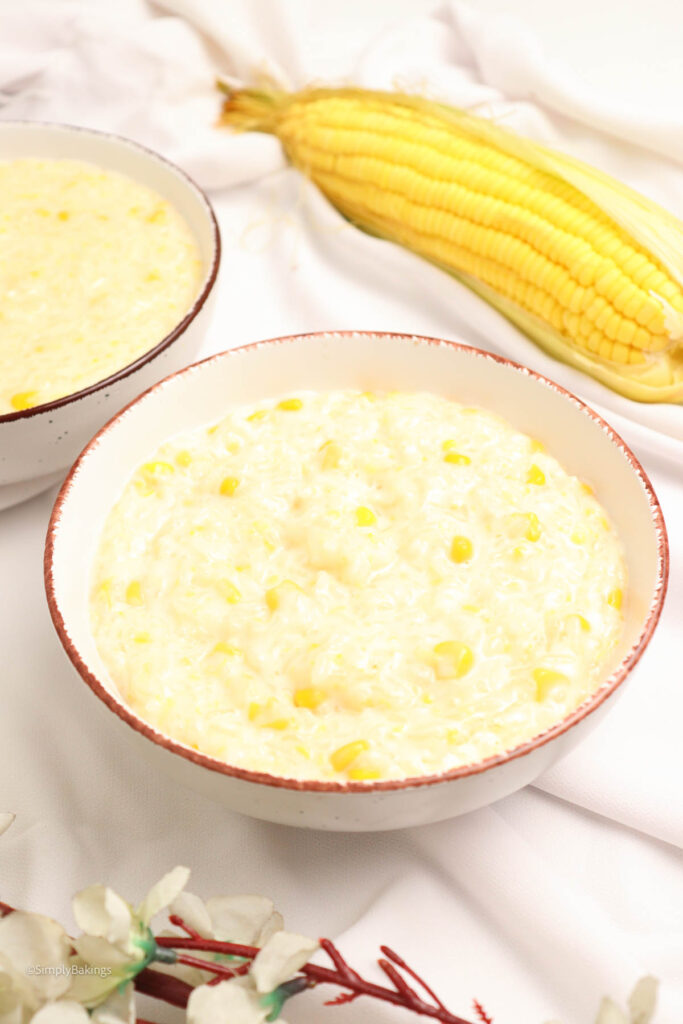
(95, 270)
(351, 586)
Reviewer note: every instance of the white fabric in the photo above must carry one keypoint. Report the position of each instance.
(538, 905)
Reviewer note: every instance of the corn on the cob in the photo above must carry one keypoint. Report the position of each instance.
(591, 270)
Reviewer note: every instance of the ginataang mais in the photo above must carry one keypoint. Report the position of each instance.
(589, 269)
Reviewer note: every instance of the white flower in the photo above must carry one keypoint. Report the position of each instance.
(34, 954)
(117, 939)
(228, 1001)
(641, 1006)
(248, 920)
(282, 956)
(6, 820)
(252, 998)
(119, 1008)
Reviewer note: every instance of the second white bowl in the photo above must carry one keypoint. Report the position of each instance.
(38, 444)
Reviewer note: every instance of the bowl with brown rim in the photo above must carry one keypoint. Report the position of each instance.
(39, 443)
(577, 436)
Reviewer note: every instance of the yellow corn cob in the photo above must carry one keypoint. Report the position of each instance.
(591, 270)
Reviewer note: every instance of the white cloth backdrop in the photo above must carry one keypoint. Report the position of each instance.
(541, 903)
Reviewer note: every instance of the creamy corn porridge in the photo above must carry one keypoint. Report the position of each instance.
(355, 586)
(95, 269)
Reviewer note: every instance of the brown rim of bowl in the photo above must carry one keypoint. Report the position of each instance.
(192, 312)
(607, 688)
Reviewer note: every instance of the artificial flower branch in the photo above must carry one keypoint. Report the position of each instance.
(343, 976)
(50, 977)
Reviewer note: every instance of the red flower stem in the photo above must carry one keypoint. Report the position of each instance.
(343, 976)
(163, 986)
(206, 945)
(400, 962)
(219, 969)
(400, 983)
(179, 923)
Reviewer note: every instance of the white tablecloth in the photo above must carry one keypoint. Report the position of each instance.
(538, 905)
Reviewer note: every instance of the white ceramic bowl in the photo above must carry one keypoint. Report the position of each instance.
(578, 437)
(38, 444)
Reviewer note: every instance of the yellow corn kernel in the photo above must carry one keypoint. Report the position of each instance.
(229, 485)
(258, 415)
(229, 591)
(365, 516)
(24, 400)
(157, 215)
(134, 593)
(104, 591)
(615, 598)
(157, 468)
(279, 724)
(453, 659)
(587, 489)
(535, 476)
(309, 697)
(341, 758)
(582, 622)
(449, 445)
(461, 549)
(546, 679)
(63, 215)
(304, 751)
(276, 595)
(533, 530)
(518, 554)
(213, 429)
(144, 486)
(142, 638)
(254, 710)
(330, 454)
(290, 404)
(457, 459)
(536, 446)
(222, 648)
(364, 774)
(183, 459)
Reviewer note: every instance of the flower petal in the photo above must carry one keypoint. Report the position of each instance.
(166, 890)
(64, 1012)
(6, 820)
(98, 952)
(118, 1009)
(279, 960)
(15, 995)
(239, 918)
(275, 923)
(100, 911)
(609, 1013)
(92, 989)
(643, 1000)
(228, 1001)
(30, 941)
(194, 913)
